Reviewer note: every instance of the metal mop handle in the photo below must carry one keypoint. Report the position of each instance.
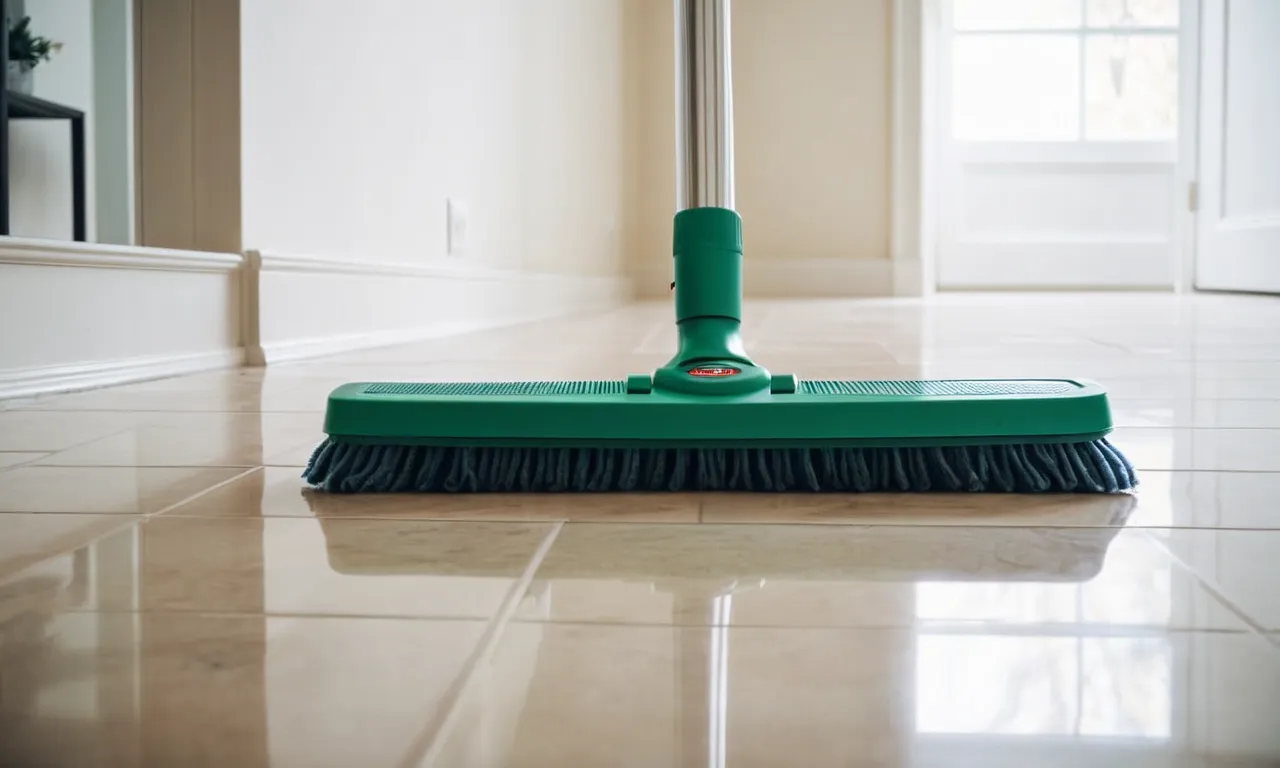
(704, 105)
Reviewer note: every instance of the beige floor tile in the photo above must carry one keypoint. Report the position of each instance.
(13, 459)
(1163, 500)
(1208, 500)
(582, 507)
(1240, 564)
(297, 455)
(281, 492)
(385, 568)
(231, 396)
(168, 689)
(1237, 450)
(41, 431)
(195, 439)
(851, 576)
(1188, 412)
(1105, 369)
(559, 695)
(1231, 388)
(30, 539)
(1134, 383)
(122, 490)
(1235, 414)
(928, 509)
(260, 624)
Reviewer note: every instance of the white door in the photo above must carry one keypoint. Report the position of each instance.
(1059, 145)
(1238, 217)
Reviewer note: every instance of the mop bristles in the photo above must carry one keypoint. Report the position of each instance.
(1081, 467)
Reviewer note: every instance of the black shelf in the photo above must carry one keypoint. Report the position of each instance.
(20, 106)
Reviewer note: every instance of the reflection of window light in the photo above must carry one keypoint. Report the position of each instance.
(718, 700)
(1126, 687)
(1047, 686)
(1135, 588)
(1005, 602)
(1004, 685)
(1157, 499)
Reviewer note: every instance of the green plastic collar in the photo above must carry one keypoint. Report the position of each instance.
(711, 359)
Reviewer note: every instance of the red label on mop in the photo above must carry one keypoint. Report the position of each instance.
(714, 371)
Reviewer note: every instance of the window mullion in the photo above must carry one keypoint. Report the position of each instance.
(1081, 100)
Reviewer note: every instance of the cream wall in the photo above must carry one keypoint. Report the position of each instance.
(812, 111)
(361, 121)
(188, 118)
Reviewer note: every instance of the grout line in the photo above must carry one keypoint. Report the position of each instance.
(192, 467)
(126, 520)
(282, 614)
(28, 462)
(204, 492)
(427, 519)
(1215, 590)
(424, 749)
(172, 511)
(81, 444)
(1012, 630)
(979, 630)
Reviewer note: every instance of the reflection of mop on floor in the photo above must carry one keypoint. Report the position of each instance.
(704, 567)
(689, 556)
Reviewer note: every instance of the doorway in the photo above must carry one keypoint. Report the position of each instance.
(1237, 218)
(1058, 143)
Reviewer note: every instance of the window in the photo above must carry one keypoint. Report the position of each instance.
(1064, 70)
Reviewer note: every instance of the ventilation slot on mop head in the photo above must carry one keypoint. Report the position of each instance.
(939, 388)
(936, 388)
(500, 388)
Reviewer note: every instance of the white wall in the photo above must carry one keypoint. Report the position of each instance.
(77, 315)
(40, 150)
(359, 126)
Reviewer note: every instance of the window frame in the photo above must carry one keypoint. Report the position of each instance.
(1083, 31)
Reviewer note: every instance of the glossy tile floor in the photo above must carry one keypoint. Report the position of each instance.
(170, 595)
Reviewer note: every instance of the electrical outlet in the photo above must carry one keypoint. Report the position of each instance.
(458, 225)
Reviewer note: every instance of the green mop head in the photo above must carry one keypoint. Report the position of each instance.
(712, 419)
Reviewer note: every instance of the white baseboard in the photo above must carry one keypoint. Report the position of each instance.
(766, 278)
(288, 350)
(77, 316)
(66, 253)
(25, 382)
(309, 306)
(82, 315)
(1022, 264)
